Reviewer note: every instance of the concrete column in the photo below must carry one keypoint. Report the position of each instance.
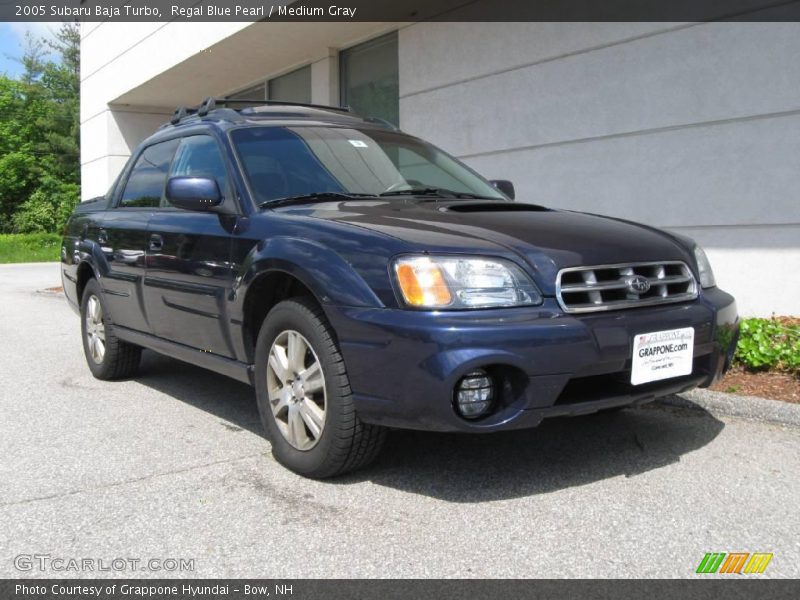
(108, 139)
(325, 79)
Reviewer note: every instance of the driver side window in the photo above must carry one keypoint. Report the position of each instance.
(199, 156)
(145, 185)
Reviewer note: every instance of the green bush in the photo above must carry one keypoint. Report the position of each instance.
(769, 344)
(29, 247)
(48, 208)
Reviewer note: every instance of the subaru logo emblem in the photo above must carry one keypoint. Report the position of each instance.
(638, 284)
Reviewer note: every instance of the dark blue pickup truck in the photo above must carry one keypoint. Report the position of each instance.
(362, 279)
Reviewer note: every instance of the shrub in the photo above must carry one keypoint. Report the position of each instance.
(769, 344)
(48, 208)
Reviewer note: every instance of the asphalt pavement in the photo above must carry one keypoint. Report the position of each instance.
(172, 466)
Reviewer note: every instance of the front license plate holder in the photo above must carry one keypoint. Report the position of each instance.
(662, 355)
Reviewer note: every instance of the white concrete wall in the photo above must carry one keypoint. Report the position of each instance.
(107, 140)
(693, 127)
(118, 57)
(325, 79)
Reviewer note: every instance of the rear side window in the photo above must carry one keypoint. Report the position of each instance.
(199, 156)
(147, 180)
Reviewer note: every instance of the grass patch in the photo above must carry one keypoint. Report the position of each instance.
(29, 247)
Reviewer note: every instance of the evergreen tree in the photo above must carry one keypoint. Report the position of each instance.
(40, 136)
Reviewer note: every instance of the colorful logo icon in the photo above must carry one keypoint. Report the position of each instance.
(734, 562)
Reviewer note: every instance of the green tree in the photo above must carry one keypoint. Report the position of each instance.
(47, 208)
(18, 168)
(39, 136)
(61, 82)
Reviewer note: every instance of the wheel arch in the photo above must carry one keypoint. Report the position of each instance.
(84, 273)
(267, 289)
(294, 266)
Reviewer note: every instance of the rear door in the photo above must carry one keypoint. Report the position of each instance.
(188, 257)
(123, 234)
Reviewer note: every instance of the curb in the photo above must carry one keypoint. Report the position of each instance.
(720, 404)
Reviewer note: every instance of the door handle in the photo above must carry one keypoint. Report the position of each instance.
(156, 242)
(102, 236)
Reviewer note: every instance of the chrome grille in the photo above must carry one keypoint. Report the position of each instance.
(610, 287)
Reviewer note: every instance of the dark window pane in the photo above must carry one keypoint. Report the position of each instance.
(145, 186)
(370, 80)
(282, 162)
(199, 156)
(279, 163)
(292, 87)
(258, 92)
(422, 168)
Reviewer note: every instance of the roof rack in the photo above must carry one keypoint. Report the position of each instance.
(211, 103)
(380, 121)
(180, 113)
(257, 103)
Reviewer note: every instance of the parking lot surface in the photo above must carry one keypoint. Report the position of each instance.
(172, 465)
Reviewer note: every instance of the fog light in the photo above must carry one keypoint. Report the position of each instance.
(474, 394)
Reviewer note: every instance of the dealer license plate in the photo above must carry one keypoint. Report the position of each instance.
(662, 354)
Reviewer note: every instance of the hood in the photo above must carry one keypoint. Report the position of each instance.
(548, 240)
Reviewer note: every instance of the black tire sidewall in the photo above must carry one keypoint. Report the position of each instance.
(297, 315)
(99, 370)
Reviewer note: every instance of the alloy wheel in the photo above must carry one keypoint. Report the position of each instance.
(95, 329)
(296, 390)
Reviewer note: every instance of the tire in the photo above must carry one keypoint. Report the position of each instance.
(291, 417)
(108, 357)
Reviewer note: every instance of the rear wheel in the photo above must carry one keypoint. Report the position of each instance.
(304, 396)
(108, 357)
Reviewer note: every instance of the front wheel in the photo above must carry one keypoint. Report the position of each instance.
(304, 396)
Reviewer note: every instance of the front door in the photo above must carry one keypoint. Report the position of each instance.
(188, 258)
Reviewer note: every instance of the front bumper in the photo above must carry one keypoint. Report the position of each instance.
(403, 365)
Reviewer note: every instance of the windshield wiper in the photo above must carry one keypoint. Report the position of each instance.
(438, 192)
(312, 197)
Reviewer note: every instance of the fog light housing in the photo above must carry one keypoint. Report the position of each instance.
(474, 394)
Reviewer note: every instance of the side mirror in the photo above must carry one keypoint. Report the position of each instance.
(505, 186)
(194, 193)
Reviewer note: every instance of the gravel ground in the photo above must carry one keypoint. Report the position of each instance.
(173, 465)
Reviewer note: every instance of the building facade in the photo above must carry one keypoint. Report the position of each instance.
(693, 127)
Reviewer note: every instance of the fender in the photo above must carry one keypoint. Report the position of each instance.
(330, 278)
(91, 252)
(87, 252)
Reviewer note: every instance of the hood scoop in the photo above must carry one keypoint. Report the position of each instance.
(493, 207)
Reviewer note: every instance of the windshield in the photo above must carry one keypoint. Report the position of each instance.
(286, 162)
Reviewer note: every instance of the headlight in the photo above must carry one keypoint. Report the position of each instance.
(463, 282)
(704, 268)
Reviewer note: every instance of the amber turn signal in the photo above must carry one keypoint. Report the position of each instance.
(422, 283)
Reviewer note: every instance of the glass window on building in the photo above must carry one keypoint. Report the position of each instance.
(258, 92)
(369, 78)
(292, 87)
